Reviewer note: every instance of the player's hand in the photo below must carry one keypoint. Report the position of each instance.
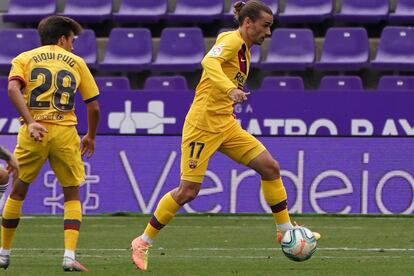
(238, 96)
(37, 131)
(13, 166)
(88, 145)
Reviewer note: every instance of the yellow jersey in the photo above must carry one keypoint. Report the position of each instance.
(225, 67)
(50, 76)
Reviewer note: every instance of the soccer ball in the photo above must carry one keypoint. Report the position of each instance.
(298, 244)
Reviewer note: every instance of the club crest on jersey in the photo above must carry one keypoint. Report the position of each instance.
(216, 50)
(192, 164)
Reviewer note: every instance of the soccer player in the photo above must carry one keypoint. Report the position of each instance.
(210, 126)
(12, 167)
(42, 87)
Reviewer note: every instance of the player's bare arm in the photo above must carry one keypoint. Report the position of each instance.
(36, 130)
(88, 141)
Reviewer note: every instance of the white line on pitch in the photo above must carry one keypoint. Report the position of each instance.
(235, 217)
(319, 248)
(226, 257)
(229, 249)
(203, 226)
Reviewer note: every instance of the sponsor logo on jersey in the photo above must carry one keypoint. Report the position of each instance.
(49, 117)
(240, 80)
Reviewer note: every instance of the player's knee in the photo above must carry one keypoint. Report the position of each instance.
(4, 177)
(186, 195)
(271, 169)
(189, 195)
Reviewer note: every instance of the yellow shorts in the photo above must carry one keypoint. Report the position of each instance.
(198, 146)
(61, 146)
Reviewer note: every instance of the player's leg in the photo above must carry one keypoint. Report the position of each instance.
(31, 156)
(274, 191)
(4, 182)
(11, 218)
(72, 218)
(168, 206)
(244, 148)
(166, 210)
(65, 160)
(196, 149)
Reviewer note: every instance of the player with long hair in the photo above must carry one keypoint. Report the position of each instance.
(210, 126)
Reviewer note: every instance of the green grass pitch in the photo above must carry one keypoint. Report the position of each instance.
(219, 245)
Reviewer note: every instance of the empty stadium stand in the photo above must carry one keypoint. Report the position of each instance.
(311, 39)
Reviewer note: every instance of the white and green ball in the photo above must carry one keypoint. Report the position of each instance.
(298, 244)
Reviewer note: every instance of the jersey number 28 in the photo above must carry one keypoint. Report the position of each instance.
(60, 90)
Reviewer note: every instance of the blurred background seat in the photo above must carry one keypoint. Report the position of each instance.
(309, 11)
(180, 49)
(15, 41)
(395, 50)
(88, 11)
(363, 11)
(344, 49)
(197, 11)
(25, 11)
(128, 49)
(341, 83)
(396, 83)
(282, 83)
(290, 49)
(404, 12)
(142, 11)
(166, 83)
(85, 46)
(113, 83)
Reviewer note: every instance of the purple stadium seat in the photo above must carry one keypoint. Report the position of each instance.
(404, 12)
(166, 83)
(128, 49)
(181, 49)
(113, 83)
(88, 11)
(134, 11)
(341, 83)
(197, 10)
(272, 4)
(344, 49)
(396, 83)
(395, 49)
(255, 56)
(85, 47)
(290, 49)
(15, 41)
(25, 11)
(289, 83)
(363, 11)
(301, 11)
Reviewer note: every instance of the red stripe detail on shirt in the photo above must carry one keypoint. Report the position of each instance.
(18, 78)
(242, 59)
